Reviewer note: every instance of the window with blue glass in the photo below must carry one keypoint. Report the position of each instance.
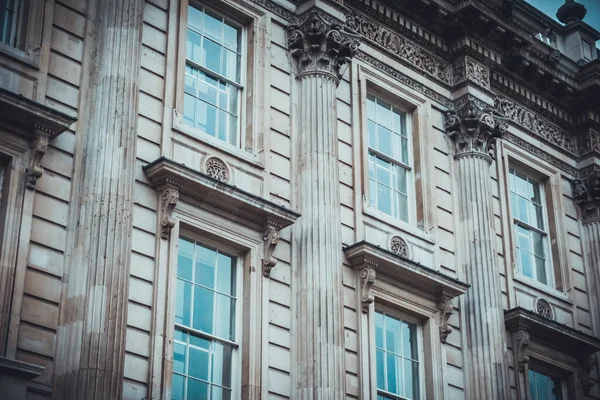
(531, 234)
(213, 75)
(389, 159)
(397, 358)
(8, 21)
(204, 342)
(544, 387)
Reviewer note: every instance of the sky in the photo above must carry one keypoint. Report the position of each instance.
(551, 6)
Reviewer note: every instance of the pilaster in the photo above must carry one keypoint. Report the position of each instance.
(321, 48)
(92, 325)
(474, 130)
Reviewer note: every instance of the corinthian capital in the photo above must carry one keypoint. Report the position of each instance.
(474, 128)
(586, 192)
(320, 45)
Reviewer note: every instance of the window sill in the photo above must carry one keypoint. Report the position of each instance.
(256, 160)
(556, 294)
(33, 60)
(397, 223)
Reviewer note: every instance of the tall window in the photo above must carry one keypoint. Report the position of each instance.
(212, 94)
(531, 233)
(397, 358)
(205, 342)
(8, 21)
(389, 166)
(544, 387)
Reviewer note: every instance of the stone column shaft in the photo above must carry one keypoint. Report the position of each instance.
(320, 48)
(92, 326)
(474, 131)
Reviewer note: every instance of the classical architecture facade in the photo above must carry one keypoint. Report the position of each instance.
(303, 199)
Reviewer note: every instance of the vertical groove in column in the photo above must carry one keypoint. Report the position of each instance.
(320, 324)
(483, 302)
(592, 236)
(91, 333)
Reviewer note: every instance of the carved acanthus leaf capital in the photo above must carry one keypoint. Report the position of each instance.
(586, 192)
(367, 279)
(168, 200)
(474, 128)
(38, 150)
(270, 240)
(321, 46)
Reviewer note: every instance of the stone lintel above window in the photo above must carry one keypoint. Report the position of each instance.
(177, 181)
(371, 261)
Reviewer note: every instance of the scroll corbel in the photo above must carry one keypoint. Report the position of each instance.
(270, 239)
(367, 279)
(169, 199)
(521, 339)
(38, 150)
(446, 308)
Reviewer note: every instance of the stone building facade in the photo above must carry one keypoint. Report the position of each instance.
(304, 199)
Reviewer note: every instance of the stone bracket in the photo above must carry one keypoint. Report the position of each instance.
(446, 310)
(270, 239)
(367, 279)
(586, 192)
(38, 150)
(521, 341)
(168, 201)
(585, 369)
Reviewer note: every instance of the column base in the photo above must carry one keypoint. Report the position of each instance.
(15, 376)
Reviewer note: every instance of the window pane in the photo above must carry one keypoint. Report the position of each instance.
(207, 92)
(410, 379)
(189, 109)
(540, 268)
(384, 199)
(198, 366)
(182, 302)
(213, 26)
(224, 274)
(207, 118)
(372, 132)
(211, 55)
(184, 260)
(203, 309)
(221, 373)
(394, 371)
(230, 65)
(224, 317)
(407, 341)
(179, 351)
(379, 330)
(538, 244)
(384, 113)
(222, 126)
(219, 393)
(371, 107)
(522, 209)
(231, 37)
(205, 266)
(403, 205)
(195, 18)
(526, 264)
(404, 156)
(178, 387)
(197, 390)
(193, 49)
(380, 355)
(384, 137)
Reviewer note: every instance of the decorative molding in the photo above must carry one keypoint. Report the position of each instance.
(217, 169)
(276, 9)
(543, 308)
(398, 246)
(407, 51)
(467, 69)
(38, 150)
(168, 201)
(367, 279)
(474, 129)
(321, 46)
(586, 192)
(446, 309)
(270, 239)
(522, 339)
(553, 57)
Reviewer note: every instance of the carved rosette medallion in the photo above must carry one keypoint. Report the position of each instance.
(321, 46)
(399, 247)
(216, 169)
(474, 129)
(543, 308)
(586, 192)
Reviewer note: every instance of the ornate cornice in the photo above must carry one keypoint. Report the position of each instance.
(321, 45)
(474, 129)
(586, 191)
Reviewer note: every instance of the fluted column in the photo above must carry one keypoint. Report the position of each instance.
(91, 334)
(473, 130)
(320, 50)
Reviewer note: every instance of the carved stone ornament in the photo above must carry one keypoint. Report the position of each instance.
(270, 240)
(38, 149)
(468, 69)
(367, 279)
(543, 308)
(446, 309)
(168, 201)
(586, 192)
(474, 129)
(585, 369)
(321, 46)
(521, 341)
(398, 246)
(217, 169)
(554, 57)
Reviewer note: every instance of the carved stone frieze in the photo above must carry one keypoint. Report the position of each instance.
(586, 191)
(543, 155)
(406, 50)
(270, 240)
(38, 149)
(521, 338)
(168, 201)
(446, 309)
(474, 128)
(367, 279)
(320, 45)
(467, 69)
(535, 124)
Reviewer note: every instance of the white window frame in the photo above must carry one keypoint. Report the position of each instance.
(236, 362)
(548, 263)
(397, 314)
